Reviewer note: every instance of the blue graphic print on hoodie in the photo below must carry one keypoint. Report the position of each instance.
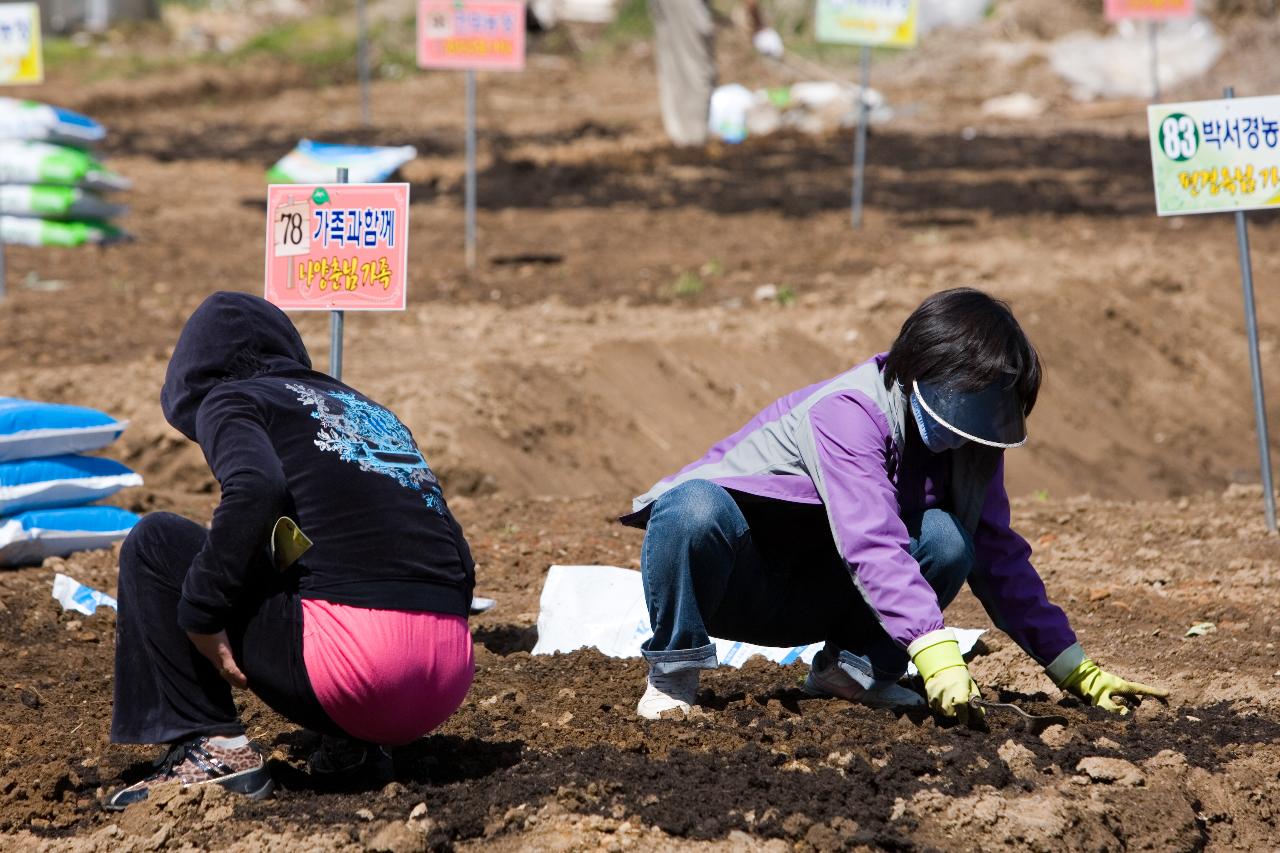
(359, 487)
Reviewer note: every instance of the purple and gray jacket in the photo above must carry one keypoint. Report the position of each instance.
(840, 444)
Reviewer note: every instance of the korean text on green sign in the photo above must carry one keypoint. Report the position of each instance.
(1215, 156)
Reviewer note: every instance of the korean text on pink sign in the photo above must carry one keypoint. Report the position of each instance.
(467, 35)
(337, 247)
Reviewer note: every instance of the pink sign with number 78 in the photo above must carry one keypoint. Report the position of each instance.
(471, 34)
(337, 247)
(1149, 10)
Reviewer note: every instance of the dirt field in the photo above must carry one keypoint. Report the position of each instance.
(569, 371)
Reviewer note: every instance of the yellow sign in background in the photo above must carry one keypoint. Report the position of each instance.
(21, 49)
(870, 23)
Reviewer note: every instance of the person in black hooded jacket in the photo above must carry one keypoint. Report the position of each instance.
(362, 638)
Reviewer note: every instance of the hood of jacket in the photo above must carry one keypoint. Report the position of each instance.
(230, 336)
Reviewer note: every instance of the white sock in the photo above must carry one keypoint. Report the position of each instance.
(229, 742)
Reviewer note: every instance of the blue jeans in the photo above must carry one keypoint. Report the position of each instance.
(768, 572)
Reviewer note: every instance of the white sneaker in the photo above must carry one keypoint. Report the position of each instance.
(666, 692)
(827, 679)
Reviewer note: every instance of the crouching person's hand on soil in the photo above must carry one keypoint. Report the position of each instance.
(1096, 686)
(947, 682)
(217, 648)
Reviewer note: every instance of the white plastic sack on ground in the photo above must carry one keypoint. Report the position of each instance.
(1119, 65)
(951, 13)
(814, 107)
(44, 123)
(1018, 106)
(587, 11)
(603, 606)
(317, 162)
(729, 106)
(73, 595)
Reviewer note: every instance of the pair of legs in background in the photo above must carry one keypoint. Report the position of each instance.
(767, 572)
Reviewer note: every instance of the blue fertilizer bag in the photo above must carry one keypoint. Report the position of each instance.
(30, 537)
(59, 481)
(29, 429)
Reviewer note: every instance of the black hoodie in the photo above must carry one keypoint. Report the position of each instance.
(283, 439)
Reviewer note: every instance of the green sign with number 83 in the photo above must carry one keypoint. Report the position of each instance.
(1215, 156)
(1179, 137)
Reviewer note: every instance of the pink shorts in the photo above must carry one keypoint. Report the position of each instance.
(386, 676)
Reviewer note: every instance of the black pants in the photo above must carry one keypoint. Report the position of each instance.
(165, 690)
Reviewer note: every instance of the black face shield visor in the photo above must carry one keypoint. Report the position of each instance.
(992, 416)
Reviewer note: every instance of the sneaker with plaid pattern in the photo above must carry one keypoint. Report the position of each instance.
(240, 769)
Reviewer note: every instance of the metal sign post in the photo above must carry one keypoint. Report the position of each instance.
(860, 145)
(1154, 30)
(467, 35)
(336, 319)
(1255, 360)
(867, 24)
(471, 170)
(362, 60)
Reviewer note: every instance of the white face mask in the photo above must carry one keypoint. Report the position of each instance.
(935, 436)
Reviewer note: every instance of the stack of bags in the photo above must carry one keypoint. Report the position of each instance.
(47, 486)
(50, 182)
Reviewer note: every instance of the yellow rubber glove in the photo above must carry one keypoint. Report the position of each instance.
(947, 683)
(1096, 686)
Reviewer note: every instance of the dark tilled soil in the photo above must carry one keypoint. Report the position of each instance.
(547, 749)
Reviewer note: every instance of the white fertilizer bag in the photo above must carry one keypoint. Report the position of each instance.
(44, 123)
(317, 163)
(30, 537)
(604, 607)
(30, 429)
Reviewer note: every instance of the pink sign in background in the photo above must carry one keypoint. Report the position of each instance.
(337, 247)
(1149, 10)
(465, 34)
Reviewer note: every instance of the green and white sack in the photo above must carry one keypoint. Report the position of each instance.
(43, 201)
(44, 163)
(24, 231)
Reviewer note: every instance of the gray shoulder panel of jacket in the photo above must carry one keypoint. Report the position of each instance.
(772, 447)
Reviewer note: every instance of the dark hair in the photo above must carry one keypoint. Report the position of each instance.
(964, 339)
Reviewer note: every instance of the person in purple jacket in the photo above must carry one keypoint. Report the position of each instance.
(850, 513)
